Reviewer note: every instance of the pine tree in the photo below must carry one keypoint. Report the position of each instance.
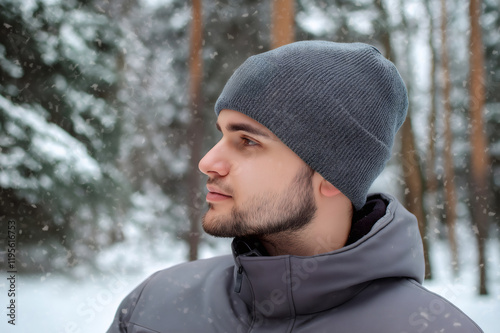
(59, 131)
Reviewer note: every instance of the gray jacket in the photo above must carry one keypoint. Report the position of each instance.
(371, 285)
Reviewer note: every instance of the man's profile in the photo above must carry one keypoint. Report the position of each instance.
(306, 129)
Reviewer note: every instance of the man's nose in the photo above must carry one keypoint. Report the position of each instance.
(215, 162)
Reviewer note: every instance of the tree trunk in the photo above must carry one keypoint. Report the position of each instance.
(412, 171)
(414, 191)
(385, 31)
(449, 173)
(283, 30)
(479, 157)
(431, 177)
(195, 129)
(432, 182)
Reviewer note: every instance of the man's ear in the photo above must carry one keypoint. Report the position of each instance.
(327, 189)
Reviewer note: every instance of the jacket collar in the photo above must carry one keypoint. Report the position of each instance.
(286, 286)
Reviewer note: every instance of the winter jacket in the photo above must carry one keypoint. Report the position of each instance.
(371, 285)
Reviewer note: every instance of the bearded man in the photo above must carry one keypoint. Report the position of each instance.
(306, 129)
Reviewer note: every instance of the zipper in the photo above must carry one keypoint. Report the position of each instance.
(239, 280)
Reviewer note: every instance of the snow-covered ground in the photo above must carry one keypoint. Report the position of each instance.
(462, 290)
(56, 304)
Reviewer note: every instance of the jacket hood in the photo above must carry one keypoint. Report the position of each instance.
(287, 285)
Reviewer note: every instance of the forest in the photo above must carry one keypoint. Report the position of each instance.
(106, 107)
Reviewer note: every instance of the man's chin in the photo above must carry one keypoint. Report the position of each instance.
(214, 226)
(217, 232)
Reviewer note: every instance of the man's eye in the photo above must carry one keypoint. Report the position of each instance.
(248, 142)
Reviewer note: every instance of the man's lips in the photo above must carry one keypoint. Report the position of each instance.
(215, 194)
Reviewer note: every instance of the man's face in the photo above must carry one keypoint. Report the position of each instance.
(257, 185)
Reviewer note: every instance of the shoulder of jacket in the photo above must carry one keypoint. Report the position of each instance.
(167, 288)
(402, 304)
(434, 309)
(200, 265)
(185, 271)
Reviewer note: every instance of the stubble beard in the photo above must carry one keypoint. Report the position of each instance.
(269, 213)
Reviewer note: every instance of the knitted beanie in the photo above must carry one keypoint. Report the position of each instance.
(337, 106)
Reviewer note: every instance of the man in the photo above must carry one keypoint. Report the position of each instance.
(306, 128)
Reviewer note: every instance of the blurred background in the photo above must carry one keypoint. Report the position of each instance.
(106, 108)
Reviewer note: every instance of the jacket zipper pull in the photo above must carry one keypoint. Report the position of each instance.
(239, 280)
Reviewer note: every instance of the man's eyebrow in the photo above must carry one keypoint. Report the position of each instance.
(235, 127)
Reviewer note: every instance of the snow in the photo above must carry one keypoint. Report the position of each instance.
(74, 41)
(462, 290)
(13, 69)
(49, 143)
(57, 304)
(315, 21)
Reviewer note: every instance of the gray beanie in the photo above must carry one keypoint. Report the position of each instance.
(337, 106)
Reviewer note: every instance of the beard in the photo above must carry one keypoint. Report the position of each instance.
(269, 213)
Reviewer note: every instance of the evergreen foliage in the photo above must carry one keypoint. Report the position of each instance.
(59, 131)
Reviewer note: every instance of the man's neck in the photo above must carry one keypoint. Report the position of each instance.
(284, 243)
(315, 238)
